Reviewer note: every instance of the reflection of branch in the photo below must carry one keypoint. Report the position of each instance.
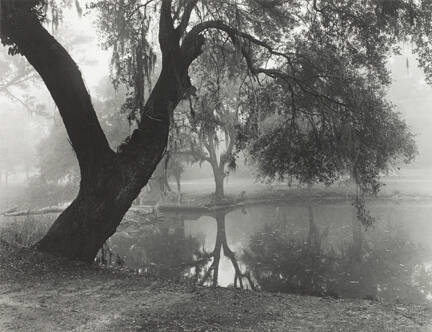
(207, 274)
(238, 277)
(215, 264)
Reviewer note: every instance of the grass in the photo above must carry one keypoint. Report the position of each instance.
(25, 231)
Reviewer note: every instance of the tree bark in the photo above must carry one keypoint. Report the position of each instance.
(219, 186)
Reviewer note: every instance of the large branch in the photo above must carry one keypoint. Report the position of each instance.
(145, 147)
(188, 8)
(63, 80)
(167, 35)
(238, 37)
(233, 33)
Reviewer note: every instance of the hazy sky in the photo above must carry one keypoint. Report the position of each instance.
(413, 99)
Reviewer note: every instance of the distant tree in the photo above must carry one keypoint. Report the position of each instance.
(177, 155)
(17, 76)
(265, 33)
(16, 151)
(212, 116)
(177, 168)
(57, 160)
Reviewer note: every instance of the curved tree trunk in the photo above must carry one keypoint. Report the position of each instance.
(81, 230)
(109, 181)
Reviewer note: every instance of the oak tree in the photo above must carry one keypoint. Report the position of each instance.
(264, 32)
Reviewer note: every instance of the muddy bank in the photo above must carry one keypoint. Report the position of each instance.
(44, 293)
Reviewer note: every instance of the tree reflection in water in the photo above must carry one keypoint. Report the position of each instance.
(163, 250)
(380, 264)
(212, 272)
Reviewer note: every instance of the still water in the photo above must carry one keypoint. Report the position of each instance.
(302, 248)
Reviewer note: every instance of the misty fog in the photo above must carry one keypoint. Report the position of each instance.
(237, 197)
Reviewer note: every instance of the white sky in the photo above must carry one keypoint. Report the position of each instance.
(413, 99)
(93, 61)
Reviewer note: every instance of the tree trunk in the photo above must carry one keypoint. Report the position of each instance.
(219, 186)
(81, 230)
(104, 198)
(178, 184)
(109, 181)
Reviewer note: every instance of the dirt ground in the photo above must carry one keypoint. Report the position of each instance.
(44, 293)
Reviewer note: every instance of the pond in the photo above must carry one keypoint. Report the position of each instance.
(303, 248)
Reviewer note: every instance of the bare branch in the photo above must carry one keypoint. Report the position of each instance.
(20, 78)
(190, 5)
(234, 34)
(144, 5)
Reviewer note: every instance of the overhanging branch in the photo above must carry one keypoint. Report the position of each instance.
(236, 35)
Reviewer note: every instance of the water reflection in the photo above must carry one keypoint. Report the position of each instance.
(284, 262)
(241, 279)
(304, 249)
(386, 266)
(162, 250)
